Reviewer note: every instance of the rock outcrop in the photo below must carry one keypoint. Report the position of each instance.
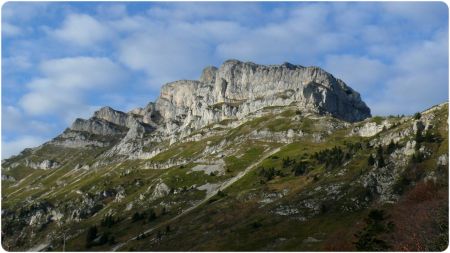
(237, 89)
(97, 126)
(234, 90)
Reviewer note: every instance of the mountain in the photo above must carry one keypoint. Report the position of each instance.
(248, 157)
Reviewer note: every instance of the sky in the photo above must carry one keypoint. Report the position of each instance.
(64, 60)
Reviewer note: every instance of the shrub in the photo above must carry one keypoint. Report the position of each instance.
(300, 168)
(380, 158)
(256, 225)
(332, 158)
(370, 160)
(419, 137)
(369, 238)
(108, 221)
(287, 162)
(381, 162)
(151, 215)
(417, 115)
(431, 137)
(91, 235)
(112, 240)
(221, 194)
(269, 173)
(391, 147)
(103, 239)
(137, 216)
(417, 157)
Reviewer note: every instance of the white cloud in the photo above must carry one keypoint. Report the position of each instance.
(419, 80)
(10, 30)
(16, 62)
(242, 12)
(112, 10)
(165, 54)
(13, 147)
(11, 118)
(361, 73)
(421, 15)
(13, 121)
(24, 11)
(82, 30)
(302, 37)
(81, 72)
(65, 84)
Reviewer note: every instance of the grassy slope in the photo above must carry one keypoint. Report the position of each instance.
(235, 221)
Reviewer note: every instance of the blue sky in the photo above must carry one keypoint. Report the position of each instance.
(64, 60)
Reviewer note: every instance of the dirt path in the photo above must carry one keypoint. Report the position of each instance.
(38, 247)
(222, 187)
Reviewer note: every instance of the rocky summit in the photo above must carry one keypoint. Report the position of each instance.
(247, 158)
(231, 92)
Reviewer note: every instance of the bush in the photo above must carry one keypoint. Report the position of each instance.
(91, 235)
(381, 162)
(287, 162)
(332, 158)
(163, 211)
(391, 147)
(300, 168)
(112, 240)
(417, 157)
(256, 225)
(417, 115)
(380, 158)
(151, 215)
(401, 184)
(221, 194)
(369, 238)
(371, 160)
(431, 137)
(103, 239)
(108, 221)
(137, 216)
(419, 136)
(269, 173)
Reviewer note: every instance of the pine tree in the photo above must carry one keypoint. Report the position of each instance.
(381, 162)
(91, 235)
(151, 215)
(419, 136)
(417, 115)
(300, 168)
(370, 160)
(391, 147)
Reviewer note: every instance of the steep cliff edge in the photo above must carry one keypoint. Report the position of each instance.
(236, 89)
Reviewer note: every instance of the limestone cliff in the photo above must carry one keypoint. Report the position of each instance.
(233, 91)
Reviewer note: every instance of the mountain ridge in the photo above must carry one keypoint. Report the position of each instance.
(255, 175)
(232, 91)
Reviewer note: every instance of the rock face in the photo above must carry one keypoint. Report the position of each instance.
(108, 121)
(96, 126)
(237, 89)
(232, 91)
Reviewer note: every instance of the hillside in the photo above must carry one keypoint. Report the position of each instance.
(249, 157)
